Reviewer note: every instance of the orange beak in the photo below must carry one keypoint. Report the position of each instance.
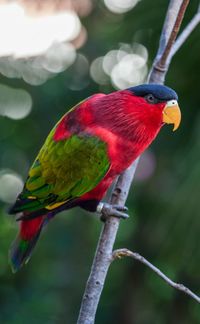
(172, 114)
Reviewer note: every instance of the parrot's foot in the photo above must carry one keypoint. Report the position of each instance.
(106, 210)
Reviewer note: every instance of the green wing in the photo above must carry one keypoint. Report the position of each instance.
(64, 170)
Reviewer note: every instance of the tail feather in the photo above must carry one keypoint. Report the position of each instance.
(21, 251)
(22, 248)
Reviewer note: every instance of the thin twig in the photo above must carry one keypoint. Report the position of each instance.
(117, 254)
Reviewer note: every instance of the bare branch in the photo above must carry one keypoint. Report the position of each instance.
(117, 254)
(172, 23)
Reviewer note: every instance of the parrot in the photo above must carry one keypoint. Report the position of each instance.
(83, 154)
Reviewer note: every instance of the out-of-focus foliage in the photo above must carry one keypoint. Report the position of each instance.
(118, 43)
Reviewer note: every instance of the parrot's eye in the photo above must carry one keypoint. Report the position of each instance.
(151, 99)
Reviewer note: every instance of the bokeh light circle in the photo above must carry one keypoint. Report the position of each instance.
(11, 185)
(14, 103)
(120, 6)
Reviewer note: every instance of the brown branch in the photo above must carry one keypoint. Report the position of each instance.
(174, 33)
(117, 254)
(172, 24)
(185, 34)
(103, 256)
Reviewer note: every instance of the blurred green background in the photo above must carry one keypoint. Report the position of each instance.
(107, 45)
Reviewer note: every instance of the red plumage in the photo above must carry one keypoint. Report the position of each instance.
(127, 123)
(27, 232)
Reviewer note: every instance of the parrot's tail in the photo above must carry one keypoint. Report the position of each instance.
(25, 242)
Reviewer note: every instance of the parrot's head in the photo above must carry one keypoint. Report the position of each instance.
(156, 103)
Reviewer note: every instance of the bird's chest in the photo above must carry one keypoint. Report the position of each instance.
(122, 153)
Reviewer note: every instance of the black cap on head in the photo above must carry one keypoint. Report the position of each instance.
(160, 92)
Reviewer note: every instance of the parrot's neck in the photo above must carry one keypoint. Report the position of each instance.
(121, 114)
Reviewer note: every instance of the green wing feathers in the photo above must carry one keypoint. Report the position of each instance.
(62, 171)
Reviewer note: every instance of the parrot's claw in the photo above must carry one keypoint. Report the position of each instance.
(106, 210)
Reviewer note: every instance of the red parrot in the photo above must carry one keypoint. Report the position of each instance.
(92, 143)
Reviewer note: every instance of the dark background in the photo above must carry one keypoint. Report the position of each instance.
(164, 204)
